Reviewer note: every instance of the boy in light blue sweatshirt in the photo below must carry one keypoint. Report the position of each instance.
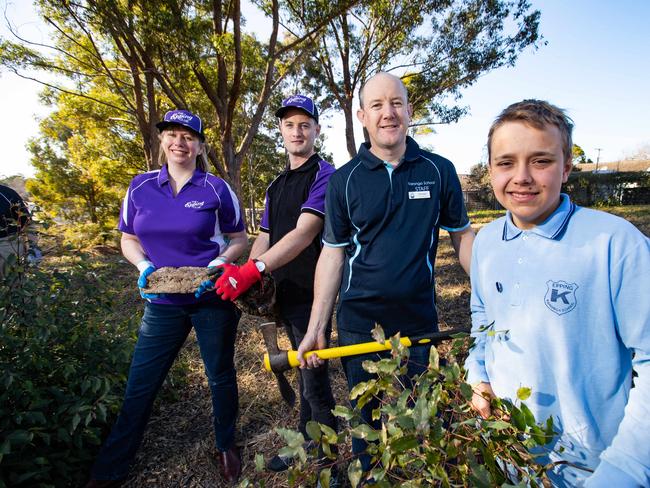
(561, 304)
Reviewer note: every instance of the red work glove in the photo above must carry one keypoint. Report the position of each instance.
(235, 280)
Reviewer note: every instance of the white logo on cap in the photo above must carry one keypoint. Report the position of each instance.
(296, 98)
(180, 116)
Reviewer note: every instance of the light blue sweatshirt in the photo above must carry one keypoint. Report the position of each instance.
(569, 301)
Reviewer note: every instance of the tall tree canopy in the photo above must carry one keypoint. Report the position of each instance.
(153, 55)
(438, 47)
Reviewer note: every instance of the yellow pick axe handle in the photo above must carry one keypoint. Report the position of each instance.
(365, 347)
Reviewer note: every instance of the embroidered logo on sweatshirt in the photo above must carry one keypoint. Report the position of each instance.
(560, 296)
(194, 204)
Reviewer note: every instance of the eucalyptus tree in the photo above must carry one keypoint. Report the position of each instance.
(161, 54)
(438, 47)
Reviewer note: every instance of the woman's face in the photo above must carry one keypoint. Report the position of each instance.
(181, 146)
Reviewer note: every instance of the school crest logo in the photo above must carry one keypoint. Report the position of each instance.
(560, 296)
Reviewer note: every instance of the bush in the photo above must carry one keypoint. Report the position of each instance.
(87, 235)
(429, 435)
(63, 372)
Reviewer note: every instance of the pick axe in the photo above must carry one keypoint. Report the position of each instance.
(279, 360)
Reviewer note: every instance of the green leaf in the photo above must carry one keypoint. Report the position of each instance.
(364, 431)
(361, 388)
(19, 437)
(467, 391)
(324, 477)
(523, 393)
(354, 473)
(378, 334)
(75, 422)
(497, 425)
(313, 430)
(343, 412)
(434, 358)
(405, 444)
(259, 463)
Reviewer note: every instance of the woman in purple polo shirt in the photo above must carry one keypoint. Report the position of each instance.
(180, 215)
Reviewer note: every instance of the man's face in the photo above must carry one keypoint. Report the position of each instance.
(299, 132)
(386, 113)
(527, 169)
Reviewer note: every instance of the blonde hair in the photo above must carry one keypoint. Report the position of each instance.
(538, 114)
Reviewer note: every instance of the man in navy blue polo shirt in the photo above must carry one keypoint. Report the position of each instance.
(383, 213)
(288, 246)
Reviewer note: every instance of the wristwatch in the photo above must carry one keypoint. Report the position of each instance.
(261, 267)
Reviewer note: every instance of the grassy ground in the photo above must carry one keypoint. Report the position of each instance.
(178, 446)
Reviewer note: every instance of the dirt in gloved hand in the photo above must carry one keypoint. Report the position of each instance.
(259, 299)
(176, 280)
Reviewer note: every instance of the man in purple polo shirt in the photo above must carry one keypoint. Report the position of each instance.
(288, 246)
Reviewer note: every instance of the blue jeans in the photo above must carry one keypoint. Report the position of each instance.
(355, 374)
(162, 333)
(316, 399)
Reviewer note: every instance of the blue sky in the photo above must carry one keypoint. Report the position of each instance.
(595, 65)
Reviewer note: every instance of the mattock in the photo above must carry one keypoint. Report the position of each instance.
(270, 335)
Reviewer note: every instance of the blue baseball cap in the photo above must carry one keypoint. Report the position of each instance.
(300, 102)
(184, 118)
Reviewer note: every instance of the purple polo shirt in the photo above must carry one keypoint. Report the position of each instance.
(183, 230)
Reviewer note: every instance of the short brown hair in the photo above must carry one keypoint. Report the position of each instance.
(538, 114)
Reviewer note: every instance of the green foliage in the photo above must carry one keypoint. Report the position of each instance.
(604, 189)
(578, 154)
(63, 372)
(438, 47)
(429, 436)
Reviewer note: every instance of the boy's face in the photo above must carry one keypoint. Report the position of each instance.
(527, 169)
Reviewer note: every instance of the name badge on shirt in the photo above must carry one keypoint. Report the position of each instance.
(416, 195)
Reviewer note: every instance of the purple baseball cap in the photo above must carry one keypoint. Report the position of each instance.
(184, 118)
(300, 102)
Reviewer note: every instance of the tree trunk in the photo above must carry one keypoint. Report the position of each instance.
(349, 128)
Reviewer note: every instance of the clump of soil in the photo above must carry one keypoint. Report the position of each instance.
(185, 279)
(259, 299)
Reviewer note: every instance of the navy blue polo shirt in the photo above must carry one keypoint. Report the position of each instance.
(183, 230)
(293, 192)
(388, 221)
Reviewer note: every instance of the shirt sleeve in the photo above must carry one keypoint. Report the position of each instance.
(453, 214)
(315, 202)
(127, 213)
(264, 223)
(475, 362)
(336, 231)
(629, 451)
(229, 213)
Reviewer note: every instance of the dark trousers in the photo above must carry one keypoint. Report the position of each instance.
(355, 374)
(316, 399)
(162, 333)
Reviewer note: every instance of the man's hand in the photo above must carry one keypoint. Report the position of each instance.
(235, 280)
(146, 268)
(481, 399)
(312, 340)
